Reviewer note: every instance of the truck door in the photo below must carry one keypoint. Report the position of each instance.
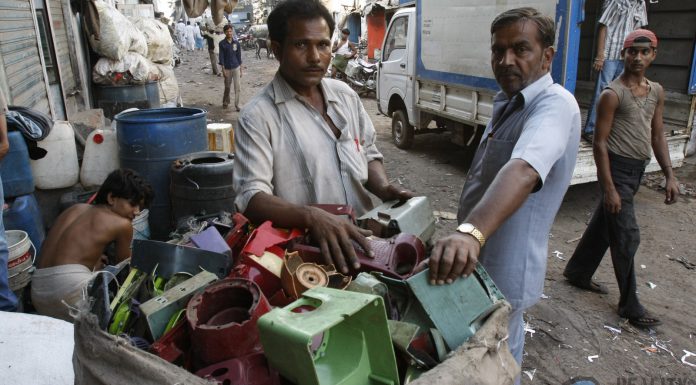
(393, 72)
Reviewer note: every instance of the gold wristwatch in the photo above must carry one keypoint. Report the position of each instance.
(468, 228)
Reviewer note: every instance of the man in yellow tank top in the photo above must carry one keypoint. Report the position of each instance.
(629, 125)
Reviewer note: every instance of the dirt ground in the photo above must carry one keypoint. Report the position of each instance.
(568, 326)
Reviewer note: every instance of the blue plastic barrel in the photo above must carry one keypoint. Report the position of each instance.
(149, 141)
(23, 213)
(15, 169)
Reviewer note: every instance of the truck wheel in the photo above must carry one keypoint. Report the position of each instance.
(402, 130)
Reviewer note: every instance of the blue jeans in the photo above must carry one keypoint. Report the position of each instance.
(8, 301)
(610, 71)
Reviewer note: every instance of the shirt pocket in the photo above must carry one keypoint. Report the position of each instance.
(497, 154)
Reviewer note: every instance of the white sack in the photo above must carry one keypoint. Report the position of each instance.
(132, 69)
(159, 41)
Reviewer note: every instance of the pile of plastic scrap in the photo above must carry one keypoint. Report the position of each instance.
(240, 304)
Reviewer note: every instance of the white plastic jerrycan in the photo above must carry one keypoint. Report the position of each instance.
(100, 158)
(59, 168)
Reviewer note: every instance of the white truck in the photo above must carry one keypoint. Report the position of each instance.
(435, 73)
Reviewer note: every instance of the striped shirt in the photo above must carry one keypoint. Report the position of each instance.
(284, 147)
(3, 104)
(621, 18)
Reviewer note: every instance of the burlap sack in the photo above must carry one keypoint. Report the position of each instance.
(483, 360)
(102, 359)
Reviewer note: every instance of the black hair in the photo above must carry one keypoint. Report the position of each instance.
(346, 31)
(226, 27)
(188, 22)
(545, 25)
(297, 9)
(127, 184)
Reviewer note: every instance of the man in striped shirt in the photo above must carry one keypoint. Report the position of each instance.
(618, 19)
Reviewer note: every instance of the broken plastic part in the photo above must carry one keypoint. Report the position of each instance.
(249, 370)
(223, 320)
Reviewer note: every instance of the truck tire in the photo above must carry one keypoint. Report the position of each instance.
(402, 130)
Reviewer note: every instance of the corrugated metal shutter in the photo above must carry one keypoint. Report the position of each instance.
(19, 53)
(60, 42)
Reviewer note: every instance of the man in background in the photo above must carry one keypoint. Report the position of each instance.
(629, 124)
(343, 50)
(617, 20)
(231, 61)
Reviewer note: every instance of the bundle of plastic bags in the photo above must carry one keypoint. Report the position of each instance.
(169, 87)
(116, 34)
(134, 68)
(159, 41)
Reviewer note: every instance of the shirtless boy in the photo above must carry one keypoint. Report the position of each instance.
(74, 246)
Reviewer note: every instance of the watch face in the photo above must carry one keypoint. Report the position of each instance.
(465, 228)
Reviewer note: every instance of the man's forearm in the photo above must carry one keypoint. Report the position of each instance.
(504, 196)
(601, 157)
(377, 180)
(659, 145)
(601, 41)
(264, 207)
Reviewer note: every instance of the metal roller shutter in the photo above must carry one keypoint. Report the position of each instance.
(20, 58)
(60, 43)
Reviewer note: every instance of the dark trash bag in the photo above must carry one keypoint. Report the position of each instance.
(34, 126)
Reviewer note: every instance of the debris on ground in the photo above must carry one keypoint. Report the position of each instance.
(683, 261)
(592, 358)
(530, 374)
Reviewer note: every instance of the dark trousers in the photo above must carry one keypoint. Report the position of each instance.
(618, 232)
(213, 61)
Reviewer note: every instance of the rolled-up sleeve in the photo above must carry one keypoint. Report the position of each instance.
(253, 164)
(370, 148)
(546, 133)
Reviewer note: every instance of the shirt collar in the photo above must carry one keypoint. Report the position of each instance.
(530, 92)
(283, 91)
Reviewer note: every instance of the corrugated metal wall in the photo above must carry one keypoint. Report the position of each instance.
(62, 50)
(20, 57)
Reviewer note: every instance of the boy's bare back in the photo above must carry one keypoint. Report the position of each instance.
(82, 232)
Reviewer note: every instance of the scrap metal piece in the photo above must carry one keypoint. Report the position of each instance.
(158, 311)
(298, 276)
(414, 216)
(238, 235)
(249, 370)
(395, 257)
(456, 310)
(174, 345)
(223, 320)
(170, 259)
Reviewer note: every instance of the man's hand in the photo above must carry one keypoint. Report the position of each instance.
(612, 201)
(453, 256)
(671, 190)
(334, 236)
(390, 192)
(598, 63)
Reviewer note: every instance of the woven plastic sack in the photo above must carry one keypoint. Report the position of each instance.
(132, 69)
(117, 35)
(219, 7)
(159, 41)
(168, 85)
